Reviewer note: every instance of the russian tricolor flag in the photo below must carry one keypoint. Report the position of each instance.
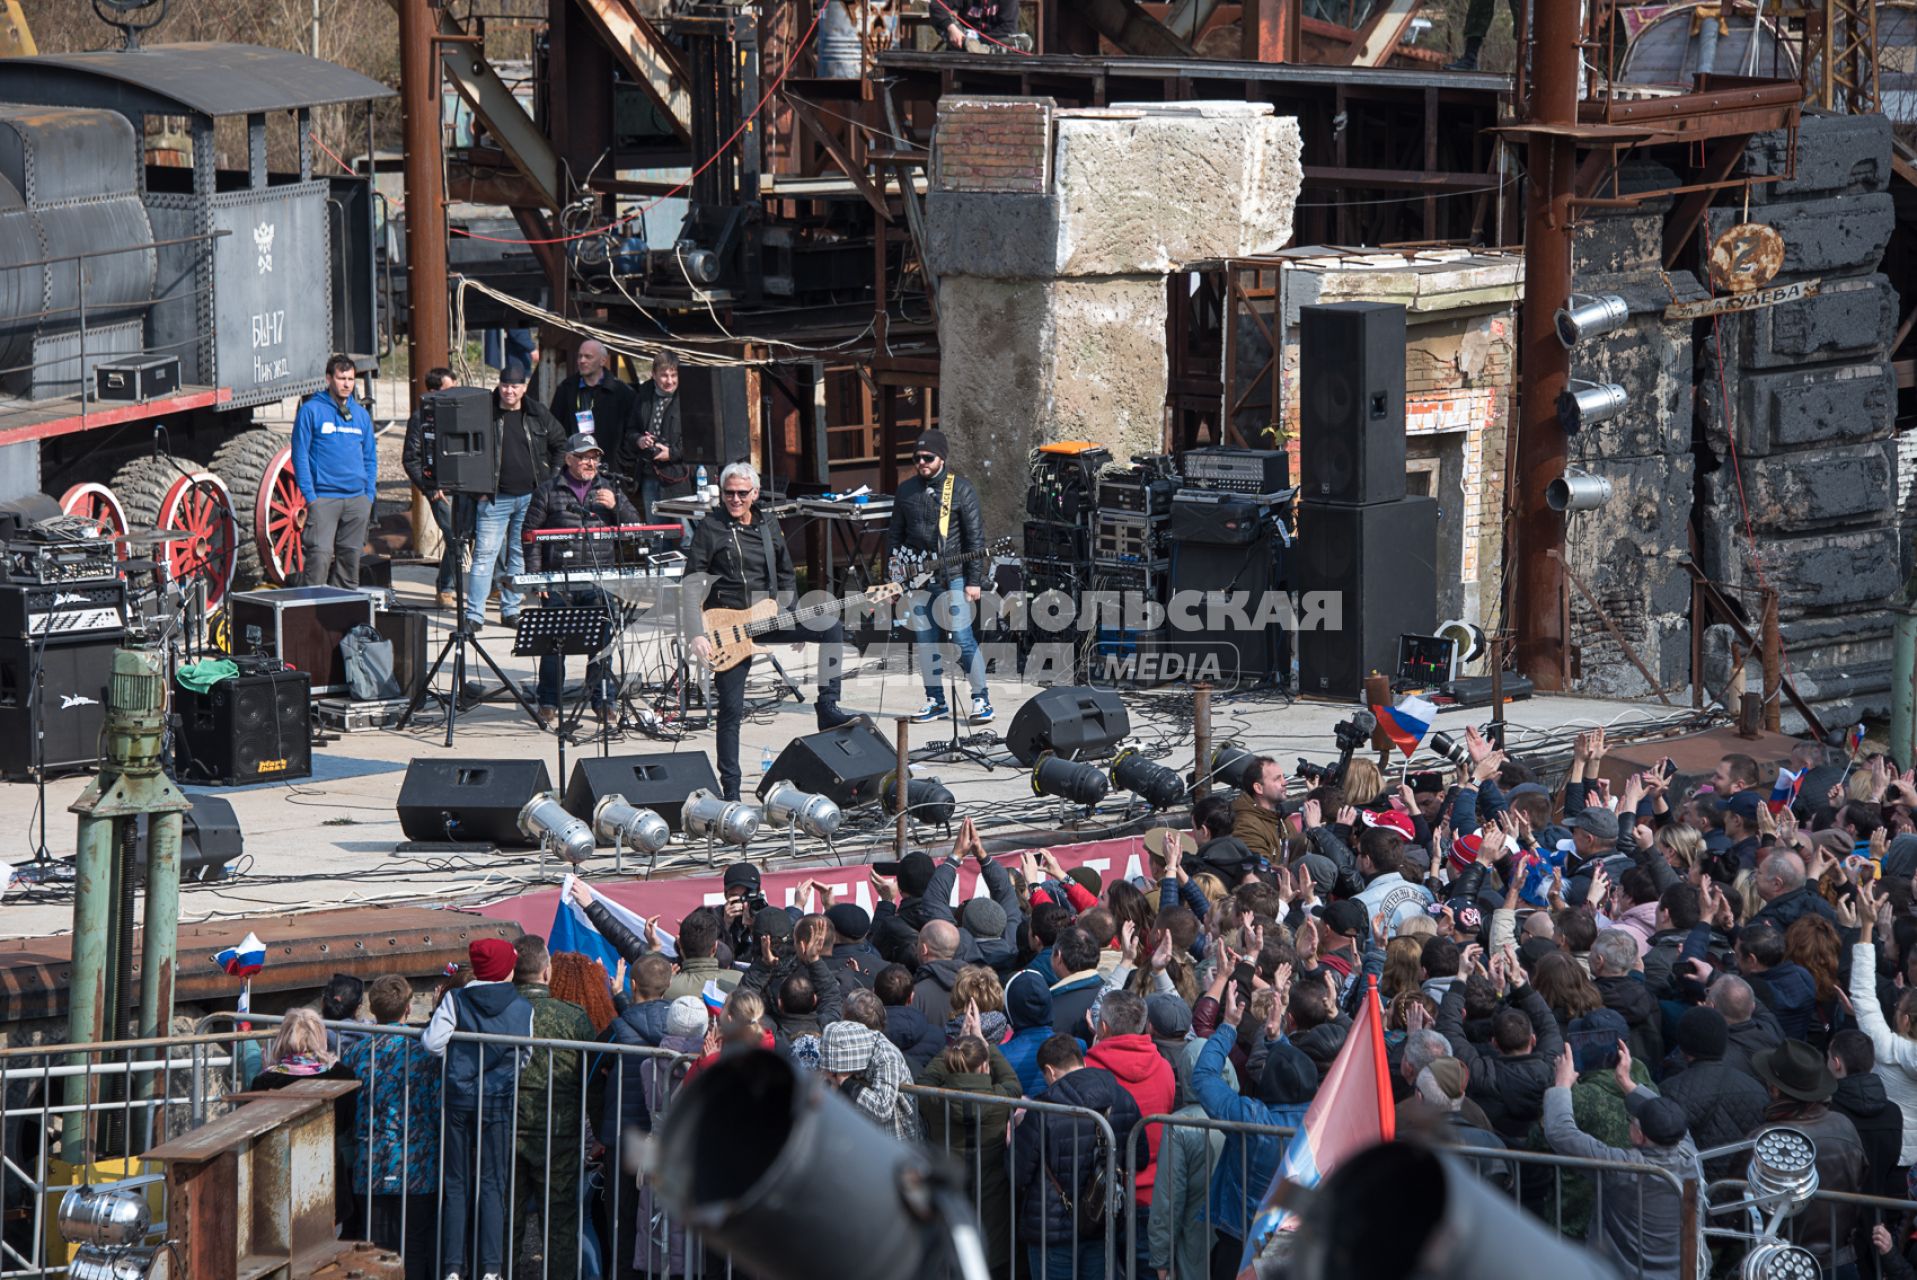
(244, 960)
(572, 928)
(1854, 739)
(1353, 1110)
(1784, 790)
(1407, 723)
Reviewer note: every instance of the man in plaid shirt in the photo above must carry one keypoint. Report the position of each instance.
(870, 1070)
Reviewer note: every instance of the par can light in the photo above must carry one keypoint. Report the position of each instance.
(1577, 491)
(1589, 403)
(544, 821)
(107, 1216)
(927, 800)
(728, 820)
(1150, 781)
(1081, 784)
(1595, 315)
(787, 806)
(616, 821)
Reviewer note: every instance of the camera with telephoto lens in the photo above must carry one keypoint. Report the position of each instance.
(1454, 751)
(1352, 735)
(1312, 773)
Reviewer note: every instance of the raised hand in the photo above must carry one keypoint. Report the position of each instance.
(885, 886)
(1476, 748)
(1314, 814)
(972, 1025)
(1348, 815)
(1162, 953)
(1623, 1068)
(1128, 942)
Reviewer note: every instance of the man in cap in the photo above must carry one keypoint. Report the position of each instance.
(336, 465)
(1641, 1224)
(744, 901)
(1381, 863)
(936, 514)
(531, 443)
(902, 910)
(855, 961)
(477, 1101)
(594, 402)
(1801, 1084)
(577, 496)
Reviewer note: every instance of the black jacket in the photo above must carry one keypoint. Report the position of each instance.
(1000, 953)
(610, 404)
(539, 433)
(915, 1036)
(932, 989)
(1723, 1105)
(1785, 910)
(1880, 1127)
(1510, 1089)
(915, 517)
(416, 456)
(655, 413)
(1632, 1000)
(1073, 1149)
(857, 964)
(733, 556)
(895, 930)
(555, 506)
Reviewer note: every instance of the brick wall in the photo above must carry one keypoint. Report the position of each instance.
(993, 144)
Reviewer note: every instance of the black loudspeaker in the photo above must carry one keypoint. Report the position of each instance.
(1073, 722)
(460, 440)
(468, 801)
(247, 729)
(846, 765)
(1380, 563)
(209, 839)
(1351, 402)
(658, 782)
(72, 688)
(406, 629)
(1220, 583)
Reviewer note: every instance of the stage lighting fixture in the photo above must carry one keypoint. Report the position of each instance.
(623, 825)
(545, 822)
(1577, 491)
(1774, 1259)
(927, 800)
(107, 1216)
(729, 820)
(1597, 314)
(1783, 1168)
(1150, 781)
(787, 806)
(1231, 764)
(755, 1153)
(1588, 403)
(1081, 784)
(91, 1262)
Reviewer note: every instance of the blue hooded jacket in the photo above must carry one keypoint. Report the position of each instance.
(1248, 1161)
(1028, 1005)
(335, 454)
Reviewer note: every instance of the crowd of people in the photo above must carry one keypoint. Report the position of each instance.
(1617, 972)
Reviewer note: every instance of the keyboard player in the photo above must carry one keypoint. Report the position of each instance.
(577, 496)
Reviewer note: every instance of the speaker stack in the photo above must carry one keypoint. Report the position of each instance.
(1225, 559)
(847, 765)
(1359, 535)
(56, 656)
(251, 728)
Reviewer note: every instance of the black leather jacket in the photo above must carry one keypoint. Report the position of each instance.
(915, 518)
(655, 412)
(555, 506)
(542, 434)
(733, 556)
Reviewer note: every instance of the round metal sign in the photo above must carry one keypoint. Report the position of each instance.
(1745, 257)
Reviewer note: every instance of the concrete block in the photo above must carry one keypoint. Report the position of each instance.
(1617, 244)
(1002, 236)
(1848, 568)
(1847, 319)
(1839, 235)
(1627, 552)
(1834, 153)
(1652, 361)
(1833, 404)
(1814, 489)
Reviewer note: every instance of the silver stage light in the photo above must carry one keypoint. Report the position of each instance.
(1783, 1168)
(729, 820)
(107, 1216)
(1780, 1260)
(1595, 315)
(1588, 403)
(1577, 491)
(618, 822)
(544, 821)
(787, 806)
(90, 1262)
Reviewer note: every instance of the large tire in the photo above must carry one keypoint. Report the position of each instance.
(156, 493)
(258, 472)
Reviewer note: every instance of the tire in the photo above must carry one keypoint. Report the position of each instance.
(255, 466)
(147, 487)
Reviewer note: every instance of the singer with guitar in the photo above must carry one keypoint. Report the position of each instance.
(936, 510)
(741, 555)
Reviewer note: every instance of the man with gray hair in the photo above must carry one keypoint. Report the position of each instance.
(652, 431)
(1787, 894)
(1753, 1028)
(1614, 971)
(739, 558)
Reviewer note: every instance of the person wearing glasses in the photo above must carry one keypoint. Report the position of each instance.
(936, 510)
(742, 558)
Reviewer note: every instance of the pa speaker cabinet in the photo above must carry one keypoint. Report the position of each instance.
(302, 627)
(1351, 402)
(1073, 722)
(847, 765)
(1380, 561)
(468, 801)
(68, 680)
(248, 729)
(459, 439)
(657, 782)
(1221, 582)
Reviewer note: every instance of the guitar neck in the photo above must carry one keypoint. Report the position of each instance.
(787, 619)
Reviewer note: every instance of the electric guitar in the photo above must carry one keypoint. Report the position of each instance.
(913, 569)
(730, 632)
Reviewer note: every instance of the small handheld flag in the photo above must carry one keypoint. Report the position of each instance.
(1407, 723)
(1784, 790)
(244, 960)
(1854, 739)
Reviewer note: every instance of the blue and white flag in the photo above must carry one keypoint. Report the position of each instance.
(572, 929)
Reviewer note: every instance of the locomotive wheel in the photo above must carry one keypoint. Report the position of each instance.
(97, 503)
(257, 466)
(156, 494)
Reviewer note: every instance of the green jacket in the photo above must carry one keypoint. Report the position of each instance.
(555, 1078)
(694, 974)
(1180, 1234)
(973, 1135)
(1597, 1104)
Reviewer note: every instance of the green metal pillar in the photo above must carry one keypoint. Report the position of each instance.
(1903, 687)
(93, 900)
(159, 946)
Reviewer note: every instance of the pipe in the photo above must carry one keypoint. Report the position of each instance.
(160, 937)
(429, 330)
(1201, 741)
(1903, 686)
(904, 776)
(1546, 365)
(92, 917)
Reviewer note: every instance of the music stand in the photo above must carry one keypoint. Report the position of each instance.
(455, 646)
(560, 631)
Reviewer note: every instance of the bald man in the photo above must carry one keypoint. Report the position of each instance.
(594, 402)
(938, 969)
(1753, 1028)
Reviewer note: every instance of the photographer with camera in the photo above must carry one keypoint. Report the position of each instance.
(744, 901)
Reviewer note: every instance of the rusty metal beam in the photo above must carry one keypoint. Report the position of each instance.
(429, 328)
(810, 121)
(1683, 220)
(653, 62)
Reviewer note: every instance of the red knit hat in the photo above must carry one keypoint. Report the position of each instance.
(493, 959)
(1390, 820)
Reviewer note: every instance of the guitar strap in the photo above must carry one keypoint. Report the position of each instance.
(945, 509)
(771, 562)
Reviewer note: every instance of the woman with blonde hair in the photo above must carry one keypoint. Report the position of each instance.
(1682, 846)
(299, 1052)
(977, 986)
(1362, 783)
(1403, 968)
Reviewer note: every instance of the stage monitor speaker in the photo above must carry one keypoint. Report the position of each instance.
(248, 729)
(1217, 583)
(72, 689)
(468, 801)
(1351, 402)
(1381, 562)
(210, 838)
(406, 629)
(658, 782)
(846, 765)
(460, 439)
(1074, 721)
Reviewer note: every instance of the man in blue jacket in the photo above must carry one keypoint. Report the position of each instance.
(336, 465)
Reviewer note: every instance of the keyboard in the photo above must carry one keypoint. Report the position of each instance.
(666, 572)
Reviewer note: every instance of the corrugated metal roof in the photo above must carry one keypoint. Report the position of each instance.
(185, 79)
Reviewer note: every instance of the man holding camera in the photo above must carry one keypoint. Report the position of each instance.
(652, 432)
(744, 900)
